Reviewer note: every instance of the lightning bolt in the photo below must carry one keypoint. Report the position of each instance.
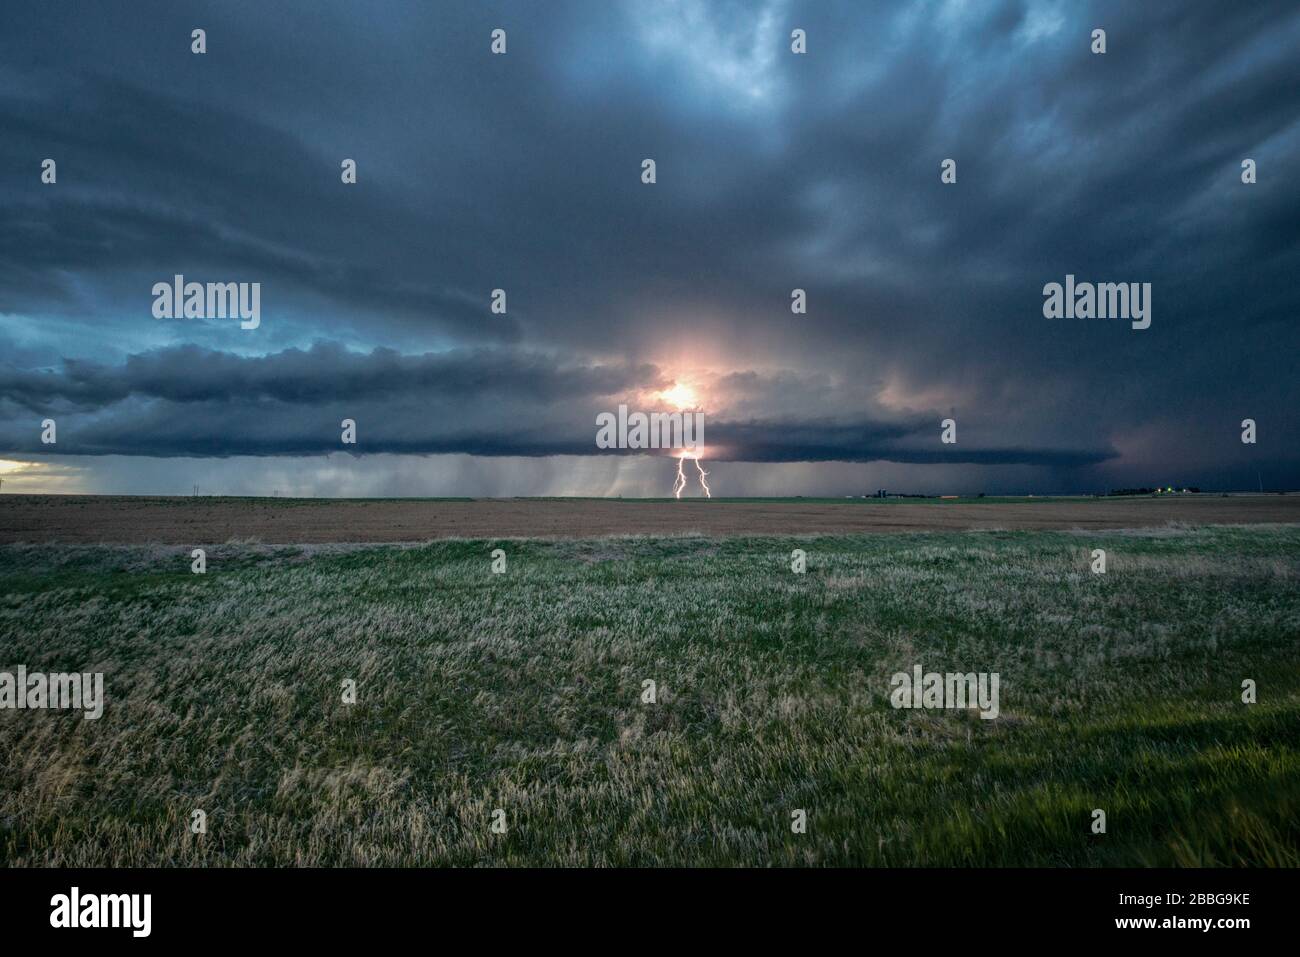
(703, 473)
(680, 482)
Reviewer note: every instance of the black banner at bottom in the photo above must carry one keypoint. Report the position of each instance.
(542, 906)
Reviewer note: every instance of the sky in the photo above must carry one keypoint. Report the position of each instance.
(523, 171)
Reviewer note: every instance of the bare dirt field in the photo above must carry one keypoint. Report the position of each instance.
(182, 520)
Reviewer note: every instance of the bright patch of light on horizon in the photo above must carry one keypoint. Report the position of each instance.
(680, 395)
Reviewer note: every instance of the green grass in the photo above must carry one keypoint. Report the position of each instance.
(522, 692)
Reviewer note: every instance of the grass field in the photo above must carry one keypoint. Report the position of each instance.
(522, 691)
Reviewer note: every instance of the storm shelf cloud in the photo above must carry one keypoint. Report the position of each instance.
(186, 400)
(457, 249)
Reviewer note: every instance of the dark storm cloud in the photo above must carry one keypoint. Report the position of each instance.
(810, 441)
(775, 171)
(192, 401)
(260, 214)
(321, 373)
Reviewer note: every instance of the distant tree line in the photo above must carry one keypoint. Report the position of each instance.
(1152, 491)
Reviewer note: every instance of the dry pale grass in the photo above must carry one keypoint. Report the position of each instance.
(522, 692)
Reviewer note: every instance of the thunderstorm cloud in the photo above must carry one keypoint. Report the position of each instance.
(775, 171)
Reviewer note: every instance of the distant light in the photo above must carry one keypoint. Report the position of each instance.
(680, 395)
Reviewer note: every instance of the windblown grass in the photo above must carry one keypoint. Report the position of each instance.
(522, 692)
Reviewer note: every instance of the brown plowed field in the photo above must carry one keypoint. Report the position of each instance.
(180, 521)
